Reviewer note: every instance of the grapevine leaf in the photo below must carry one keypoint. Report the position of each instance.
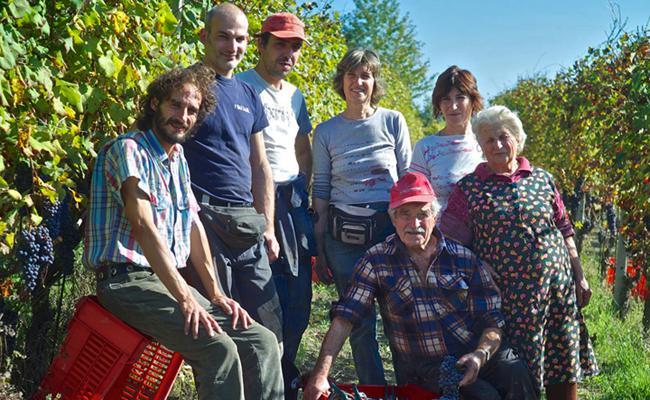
(58, 106)
(9, 239)
(42, 146)
(14, 194)
(8, 60)
(28, 201)
(19, 8)
(35, 218)
(70, 91)
(92, 98)
(107, 66)
(44, 77)
(167, 22)
(68, 44)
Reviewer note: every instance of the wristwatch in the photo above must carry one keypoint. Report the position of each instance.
(486, 352)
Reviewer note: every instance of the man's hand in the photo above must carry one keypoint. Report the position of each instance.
(583, 292)
(231, 307)
(195, 315)
(316, 387)
(472, 362)
(322, 270)
(272, 246)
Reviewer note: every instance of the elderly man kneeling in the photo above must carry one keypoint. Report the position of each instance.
(436, 299)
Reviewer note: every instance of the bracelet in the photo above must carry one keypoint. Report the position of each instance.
(487, 354)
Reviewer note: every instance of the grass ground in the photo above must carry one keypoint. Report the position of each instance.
(623, 353)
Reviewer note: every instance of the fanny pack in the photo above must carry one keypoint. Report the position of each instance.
(239, 228)
(352, 224)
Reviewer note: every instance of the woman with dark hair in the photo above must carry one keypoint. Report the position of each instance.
(358, 156)
(452, 153)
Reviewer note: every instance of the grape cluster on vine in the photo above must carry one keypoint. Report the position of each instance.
(610, 216)
(52, 217)
(34, 251)
(71, 237)
(23, 181)
(449, 378)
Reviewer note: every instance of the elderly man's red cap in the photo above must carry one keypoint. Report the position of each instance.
(284, 25)
(413, 187)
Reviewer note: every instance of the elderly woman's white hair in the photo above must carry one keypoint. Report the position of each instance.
(497, 116)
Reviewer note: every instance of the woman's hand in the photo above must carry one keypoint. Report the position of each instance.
(322, 270)
(583, 292)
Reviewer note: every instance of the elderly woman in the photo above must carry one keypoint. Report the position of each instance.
(452, 153)
(512, 215)
(358, 156)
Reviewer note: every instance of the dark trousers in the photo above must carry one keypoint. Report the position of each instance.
(292, 271)
(242, 266)
(504, 377)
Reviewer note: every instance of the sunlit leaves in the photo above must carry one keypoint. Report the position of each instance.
(590, 124)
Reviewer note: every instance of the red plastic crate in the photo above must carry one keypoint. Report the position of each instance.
(404, 392)
(104, 358)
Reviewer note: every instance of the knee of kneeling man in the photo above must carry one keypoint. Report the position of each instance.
(518, 369)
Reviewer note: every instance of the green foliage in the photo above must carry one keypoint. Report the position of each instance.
(622, 351)
(589, 127)
(379, 25)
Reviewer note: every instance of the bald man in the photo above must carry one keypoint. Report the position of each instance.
(231, 176)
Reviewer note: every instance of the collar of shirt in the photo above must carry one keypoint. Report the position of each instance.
(524, 169)
(157, 151)
(398, 248)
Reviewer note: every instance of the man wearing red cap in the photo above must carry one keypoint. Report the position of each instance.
(288, 150)
(436, 299)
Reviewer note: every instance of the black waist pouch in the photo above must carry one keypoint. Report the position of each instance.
(238, 227)
(352, 224)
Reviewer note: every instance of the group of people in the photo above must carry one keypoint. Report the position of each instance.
(200, 230)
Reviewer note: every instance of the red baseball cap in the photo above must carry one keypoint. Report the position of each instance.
(284, 25)
(413, 187)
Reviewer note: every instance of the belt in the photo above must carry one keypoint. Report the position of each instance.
(206, 199)
(110, 270)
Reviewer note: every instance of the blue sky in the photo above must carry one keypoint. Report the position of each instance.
(502, 40)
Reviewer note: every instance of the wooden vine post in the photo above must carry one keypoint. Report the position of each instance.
(621, 280)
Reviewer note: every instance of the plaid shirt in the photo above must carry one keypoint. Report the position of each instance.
(165, 180)
(444, 315)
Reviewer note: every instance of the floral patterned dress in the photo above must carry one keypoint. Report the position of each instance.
(513, 224)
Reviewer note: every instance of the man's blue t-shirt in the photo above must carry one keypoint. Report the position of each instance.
(218, 154)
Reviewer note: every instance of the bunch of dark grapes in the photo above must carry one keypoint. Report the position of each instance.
(52, 217)
(610, 215)
(449, 378)
(34, 251)
(71, 237)
(23, 180)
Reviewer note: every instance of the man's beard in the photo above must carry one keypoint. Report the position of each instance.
(162, 128)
